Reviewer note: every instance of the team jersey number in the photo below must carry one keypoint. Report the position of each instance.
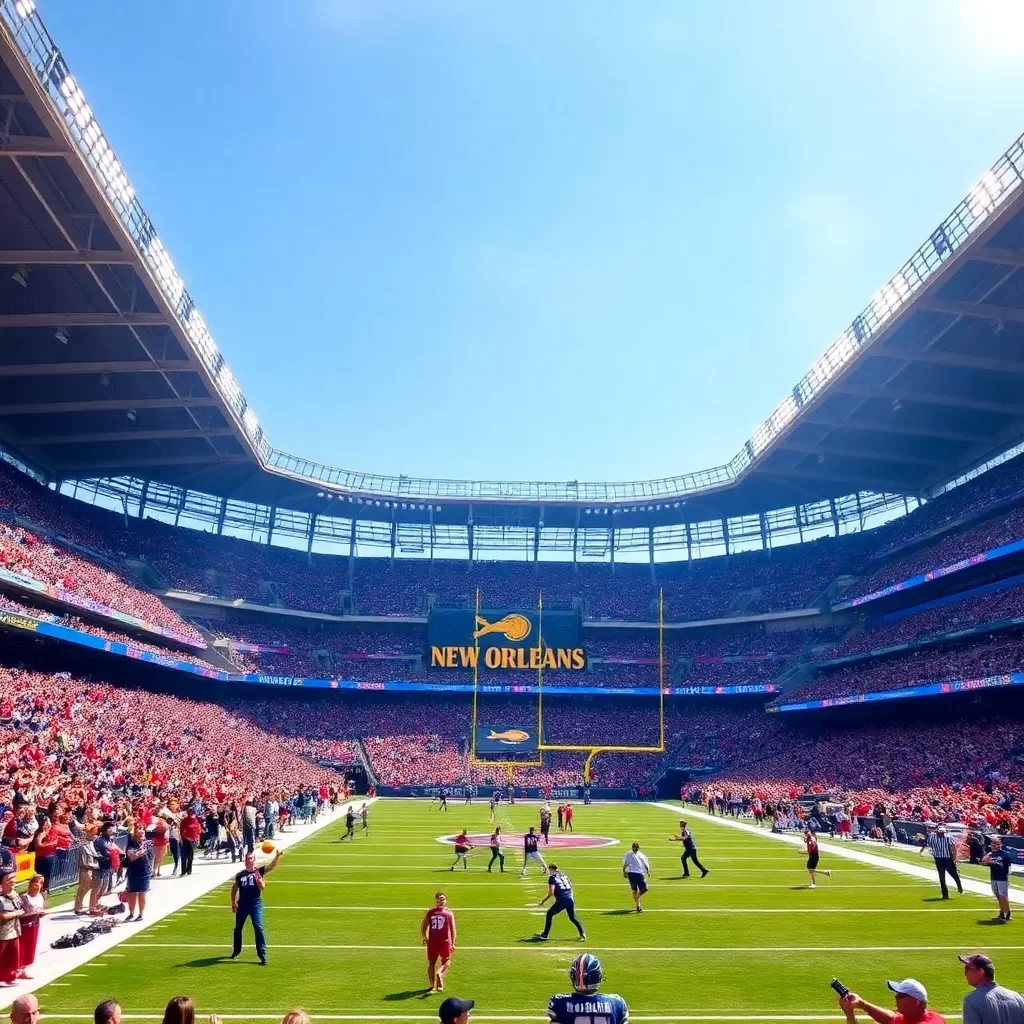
(438, 923)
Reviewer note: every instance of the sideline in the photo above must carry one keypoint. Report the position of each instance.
(166, 896)
(847, 851)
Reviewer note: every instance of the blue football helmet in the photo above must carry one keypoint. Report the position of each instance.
(585, 972)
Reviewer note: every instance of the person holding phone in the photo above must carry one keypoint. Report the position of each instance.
(911, 1005)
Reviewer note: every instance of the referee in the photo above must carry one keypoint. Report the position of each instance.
(943, 849)
(637, 868)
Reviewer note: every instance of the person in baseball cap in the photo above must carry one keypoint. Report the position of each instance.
(455, 1011)
(987, 1002)
(911, 1005)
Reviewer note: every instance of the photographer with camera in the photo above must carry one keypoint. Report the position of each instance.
(911, 1004)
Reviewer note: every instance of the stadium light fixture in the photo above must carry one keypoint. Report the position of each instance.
(61, 335)
(25, 8)
(20, 276)
(105, 380)
(132, 415)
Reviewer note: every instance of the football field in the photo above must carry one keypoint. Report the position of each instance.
(749, 942)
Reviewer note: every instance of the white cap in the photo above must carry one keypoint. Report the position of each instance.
(909, 987)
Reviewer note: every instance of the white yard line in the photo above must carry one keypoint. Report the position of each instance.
(923, 870)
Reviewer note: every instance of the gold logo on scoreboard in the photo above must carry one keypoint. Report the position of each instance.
(514, 627)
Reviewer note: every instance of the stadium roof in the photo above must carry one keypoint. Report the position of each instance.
(107, 368)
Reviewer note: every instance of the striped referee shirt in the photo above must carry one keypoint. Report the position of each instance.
(941, 846)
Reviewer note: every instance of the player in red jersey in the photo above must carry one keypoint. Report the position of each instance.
(438, 931)
(811, 842)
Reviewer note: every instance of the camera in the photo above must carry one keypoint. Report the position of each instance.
(839, 988)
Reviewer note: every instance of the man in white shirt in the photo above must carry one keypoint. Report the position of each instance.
(637, 868)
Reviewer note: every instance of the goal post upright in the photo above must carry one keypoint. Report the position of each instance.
(592, 749)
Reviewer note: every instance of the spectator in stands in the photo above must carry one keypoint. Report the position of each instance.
(33, 903)
(140, 856)
(11, 912)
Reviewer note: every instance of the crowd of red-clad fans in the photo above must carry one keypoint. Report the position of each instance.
(29, 554)
(8, 604)
(988, 656)
(949, 550)
(946, 616)
(966, 770)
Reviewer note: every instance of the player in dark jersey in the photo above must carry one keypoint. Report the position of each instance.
(364, 815)
(496, 854)
(586, 1005)
(495, 797)
(350, 824)
(530, 852)
(442, 800)
(559, 888)
(247, 903)
(811, 842)
(689, 850)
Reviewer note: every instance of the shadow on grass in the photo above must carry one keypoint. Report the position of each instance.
(206, 961)
(394, 997)
(988, 922)
(673, 878)
(617, 913)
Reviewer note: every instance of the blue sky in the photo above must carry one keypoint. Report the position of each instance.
(579, 240)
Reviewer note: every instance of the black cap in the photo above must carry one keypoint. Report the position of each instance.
(452, 1007)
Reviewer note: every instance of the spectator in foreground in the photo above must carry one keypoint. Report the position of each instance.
(988, 1003)
(108, 1012)
(25, 1010)
(180, 1010)
(452, 1010)
(911, 1005)
(296, 1016)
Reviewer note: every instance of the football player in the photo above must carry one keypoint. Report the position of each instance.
(586, 1005)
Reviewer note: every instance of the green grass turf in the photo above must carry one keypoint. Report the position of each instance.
(343, 927)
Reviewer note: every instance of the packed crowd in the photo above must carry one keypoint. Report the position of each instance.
(960, 770)
(950, 550)
(75, 753)
(74, 578)
(987, 656)
(8, 604)
(945, 616)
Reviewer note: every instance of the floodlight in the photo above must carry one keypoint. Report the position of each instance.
(61, 335)
(20, 276)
